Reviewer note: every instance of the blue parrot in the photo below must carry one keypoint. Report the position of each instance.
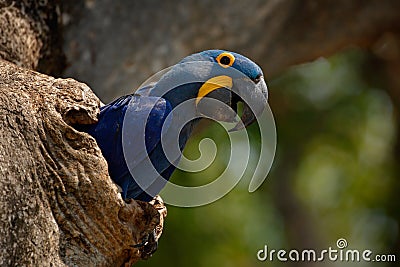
(129, 130)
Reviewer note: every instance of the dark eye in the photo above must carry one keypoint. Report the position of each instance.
(225, 60)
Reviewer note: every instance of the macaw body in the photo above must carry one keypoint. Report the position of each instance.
(108, 134)
(129, 130)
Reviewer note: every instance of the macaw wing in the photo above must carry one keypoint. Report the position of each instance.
(128, 130)
(144, 120)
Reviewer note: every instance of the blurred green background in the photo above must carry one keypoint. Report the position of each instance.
(336, 172)
(334, 175)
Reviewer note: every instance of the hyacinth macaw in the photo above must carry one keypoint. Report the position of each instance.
(225, 76)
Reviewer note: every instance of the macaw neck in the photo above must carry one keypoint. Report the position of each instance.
(183, 93)
(183, 115)
(178, 86)
(181, 83)
(178, 94)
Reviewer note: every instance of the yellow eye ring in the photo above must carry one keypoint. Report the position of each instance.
(225, 59)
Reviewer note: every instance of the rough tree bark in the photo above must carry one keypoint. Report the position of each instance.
(58, 206)
(30, 34)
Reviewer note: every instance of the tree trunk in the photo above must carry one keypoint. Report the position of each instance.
(58, 205)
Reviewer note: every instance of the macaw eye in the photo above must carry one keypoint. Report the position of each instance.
(225, 59)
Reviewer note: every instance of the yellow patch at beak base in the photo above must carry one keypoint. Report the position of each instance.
(213, 84)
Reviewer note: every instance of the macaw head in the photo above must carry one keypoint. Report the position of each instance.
(220, 75)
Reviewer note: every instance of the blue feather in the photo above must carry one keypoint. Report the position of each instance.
(129, 129)
(131, 114)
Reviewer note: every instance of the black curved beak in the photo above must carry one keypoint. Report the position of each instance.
(220, 110)
(254, 95)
